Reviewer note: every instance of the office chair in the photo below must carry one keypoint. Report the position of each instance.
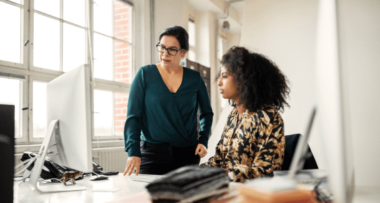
(290, 147)
(7, 137)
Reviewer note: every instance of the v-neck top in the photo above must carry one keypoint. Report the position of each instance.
(156, 115)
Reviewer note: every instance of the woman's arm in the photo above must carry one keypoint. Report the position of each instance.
(218, 160)
(205, 113)
(215, 161)
(133, 124)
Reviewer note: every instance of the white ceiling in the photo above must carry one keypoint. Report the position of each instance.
(238, 6)
(204, 5)
(207, 5)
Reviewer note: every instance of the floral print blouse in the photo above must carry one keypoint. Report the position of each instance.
(251, 146)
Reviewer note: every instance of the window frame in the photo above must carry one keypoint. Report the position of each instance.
(24, 21)
(33, 73)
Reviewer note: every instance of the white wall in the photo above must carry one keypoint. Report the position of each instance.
(168, 13)
(360, 58)
(206, 52)
(142, 37)
(204, 32)
(233, 39)
(284, 31)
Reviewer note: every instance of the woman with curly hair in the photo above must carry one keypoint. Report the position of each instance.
(253, 141)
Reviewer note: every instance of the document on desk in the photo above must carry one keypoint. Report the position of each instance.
(145, 177)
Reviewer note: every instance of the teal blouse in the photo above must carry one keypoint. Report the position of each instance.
(156, 115)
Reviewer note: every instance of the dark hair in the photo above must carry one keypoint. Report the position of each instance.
(259, 81)
(179, 33)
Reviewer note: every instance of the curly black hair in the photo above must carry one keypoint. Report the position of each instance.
(259, 81)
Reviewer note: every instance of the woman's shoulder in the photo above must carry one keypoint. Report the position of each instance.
(234, 113)
(267, 114)
(191, 72)
(231, 118)
(148, 67)
(147, 71)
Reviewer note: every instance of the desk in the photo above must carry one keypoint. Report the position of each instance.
(129, 191)
(127, 187)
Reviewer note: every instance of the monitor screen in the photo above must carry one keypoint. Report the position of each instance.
(333, 122)
(69, 102)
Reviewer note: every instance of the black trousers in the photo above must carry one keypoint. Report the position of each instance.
(162, 158)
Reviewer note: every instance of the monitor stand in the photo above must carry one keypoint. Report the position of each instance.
(39, 162)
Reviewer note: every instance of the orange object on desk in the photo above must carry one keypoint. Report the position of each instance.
(252, 195)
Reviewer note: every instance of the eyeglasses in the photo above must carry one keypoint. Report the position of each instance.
(171, 51)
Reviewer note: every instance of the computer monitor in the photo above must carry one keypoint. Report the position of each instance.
(300, 154)
(7, 144)
(68, 138)
(333, 120)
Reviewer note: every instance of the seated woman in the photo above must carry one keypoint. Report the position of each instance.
(252, 142)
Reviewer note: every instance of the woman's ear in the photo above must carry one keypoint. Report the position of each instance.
(183, 54)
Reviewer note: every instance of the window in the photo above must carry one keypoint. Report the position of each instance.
(46, 42)
(110, 113)
(112, 40)
(61, 47)
(46, 38)
(39, 109)
(11, 93)
(10, 40)
(192, 40)
(103, 109)
(113, 62)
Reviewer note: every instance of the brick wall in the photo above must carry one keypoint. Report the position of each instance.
(122, 61)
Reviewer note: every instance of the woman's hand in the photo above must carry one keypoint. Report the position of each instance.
(201, 150)
(133, 163)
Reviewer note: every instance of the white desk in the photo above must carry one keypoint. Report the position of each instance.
(127, 187)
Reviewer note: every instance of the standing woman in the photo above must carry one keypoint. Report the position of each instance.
(161, 128)
(253, 141)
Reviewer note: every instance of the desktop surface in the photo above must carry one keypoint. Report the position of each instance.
(117, 188)
(114, 189)
(121, 188)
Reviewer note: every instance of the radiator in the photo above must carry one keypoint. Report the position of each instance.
(111, 159)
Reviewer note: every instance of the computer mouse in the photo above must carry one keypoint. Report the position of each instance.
(99, 177)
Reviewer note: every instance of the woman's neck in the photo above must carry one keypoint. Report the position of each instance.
(240, 107)
(171, 69)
